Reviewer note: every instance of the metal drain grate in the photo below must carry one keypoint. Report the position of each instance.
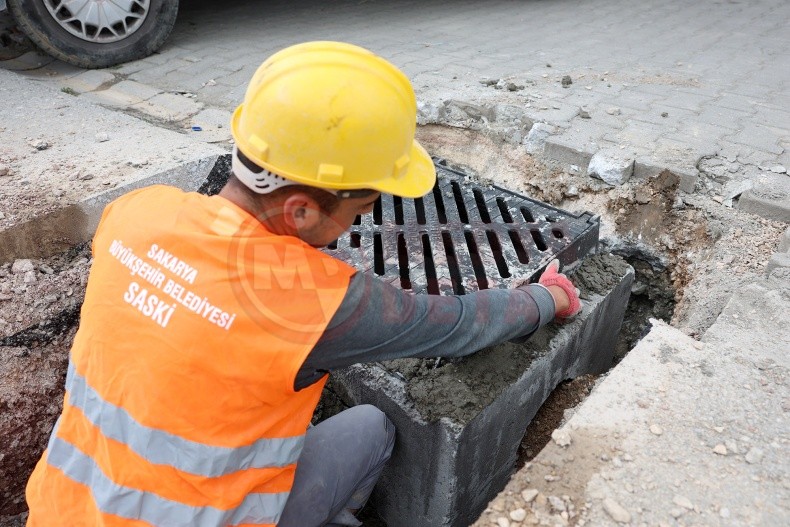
(463, 237)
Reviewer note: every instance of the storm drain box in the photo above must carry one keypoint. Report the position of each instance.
(460, 238)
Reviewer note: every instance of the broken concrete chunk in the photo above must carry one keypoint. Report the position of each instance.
(720, 450)
(536, 137)
(755, 455)
(682, 501)
(529, 494)
(611, 166)
(566, 81)
(22, 266)
(518, 515)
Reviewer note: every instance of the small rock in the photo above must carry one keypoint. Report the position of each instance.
(724, 512)
(754, 455)
(503, 522)
(529, 494)
(584, 113)
(682, 501)
(86, 177)
(2, 216)
(44, 268)
(518, 515)
(778, 169)
(102, 137)
(561, 437)
(572, 191)
(643, 197)
(718, 199)
(720, 450)
(498, 505)
(664, 114)
(677, 512)
(611, 166)
(40, 145)
(22, 266)
(551, 477)
(656, 430)
(5, 171)
(557, 505)
(566, 81)
(616, 511)
(30, 277)
(614, 110)
(489, 82)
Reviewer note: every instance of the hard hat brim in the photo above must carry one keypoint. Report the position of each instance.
(418, 180)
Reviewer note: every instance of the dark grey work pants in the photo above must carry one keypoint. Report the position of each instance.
(340, 463)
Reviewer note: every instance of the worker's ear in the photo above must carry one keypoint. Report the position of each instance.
(301, 212)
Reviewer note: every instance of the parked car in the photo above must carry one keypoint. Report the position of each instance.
(95, 33)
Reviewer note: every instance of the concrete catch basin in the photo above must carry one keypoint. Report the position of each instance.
(459, 425)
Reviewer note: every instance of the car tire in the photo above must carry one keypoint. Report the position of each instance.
(40, 26)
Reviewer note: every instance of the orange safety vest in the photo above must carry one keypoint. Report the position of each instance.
(180, 406)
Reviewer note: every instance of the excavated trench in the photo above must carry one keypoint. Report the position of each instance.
(687, 255)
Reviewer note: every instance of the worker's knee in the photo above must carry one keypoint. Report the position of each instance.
(374, 424)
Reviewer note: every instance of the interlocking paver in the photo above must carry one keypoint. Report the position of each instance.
(718, 70)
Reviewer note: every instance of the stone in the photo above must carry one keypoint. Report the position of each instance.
(561, 437)
(611, 166)
(656, 430)
(682, 501)
(778, 169)
(5, 171)
(529, 494)
(102, 137)
(557, 505)
(30, 277)
(536, 137)
(22, 266)
(566, 81)
(614, 110)
(720, 450)
(777, 261)
(616, 511)
(503, 522)
(754, 455)
(584, 113)
(518, 515)
(769, 198)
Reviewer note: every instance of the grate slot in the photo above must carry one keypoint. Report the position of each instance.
(482, 208)
(378, 254)
(504, 210)
(521, 253)
(537, 236)
(358, 220)
(355, 240)
(419, 210)
(459, 203)
(499, 258)
(397, 207)
(430, 269)
(332, 245)
(477, 261)
(438, 201)
(528, 217)
(557, 233)
(452, 263)
(377, 212)
(403, 262)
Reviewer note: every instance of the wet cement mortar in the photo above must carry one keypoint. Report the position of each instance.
(461, 388)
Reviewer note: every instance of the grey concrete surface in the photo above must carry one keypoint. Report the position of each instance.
(62, 159)
(682, 432)
(668, 83)
(443, 473)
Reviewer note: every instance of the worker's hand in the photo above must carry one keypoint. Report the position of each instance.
(566, 296)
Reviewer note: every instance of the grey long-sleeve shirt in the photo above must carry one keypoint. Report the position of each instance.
(376, 321)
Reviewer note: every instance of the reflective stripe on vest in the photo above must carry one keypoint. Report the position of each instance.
(162, 448)
(111, 498)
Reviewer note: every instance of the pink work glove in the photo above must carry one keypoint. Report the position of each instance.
(550, 277)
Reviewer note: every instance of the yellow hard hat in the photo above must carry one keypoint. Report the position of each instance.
(334, 115)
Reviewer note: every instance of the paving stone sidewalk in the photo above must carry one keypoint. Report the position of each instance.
(669, 84)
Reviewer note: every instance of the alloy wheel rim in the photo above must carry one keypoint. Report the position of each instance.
(99, 21)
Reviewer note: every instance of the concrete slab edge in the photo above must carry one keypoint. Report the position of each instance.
(58, 230)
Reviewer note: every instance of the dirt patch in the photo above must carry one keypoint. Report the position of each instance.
(552, 414)
(460, 389)
(39, 314)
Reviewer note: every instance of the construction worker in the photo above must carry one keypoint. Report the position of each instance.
(210, 323)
